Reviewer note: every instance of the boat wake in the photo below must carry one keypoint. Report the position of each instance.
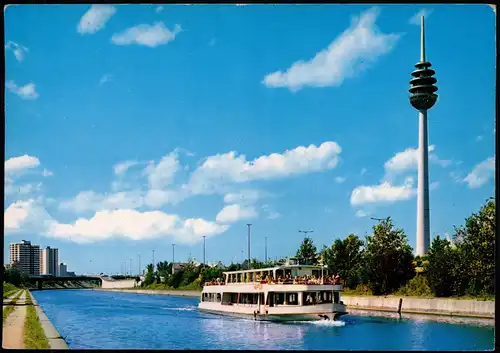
(328, 323)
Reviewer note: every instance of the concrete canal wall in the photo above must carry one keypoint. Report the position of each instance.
(53, 337)
(122, 283)
(180, 293)
(453, 307)
(440, 306)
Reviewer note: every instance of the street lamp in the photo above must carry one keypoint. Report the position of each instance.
(249, 225)
(204, 250)
(173, 258)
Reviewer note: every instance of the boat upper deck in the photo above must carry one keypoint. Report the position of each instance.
(284, 274)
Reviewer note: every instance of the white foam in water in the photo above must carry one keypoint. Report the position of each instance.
(330, 323)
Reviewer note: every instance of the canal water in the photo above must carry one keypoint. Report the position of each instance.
(95, 319)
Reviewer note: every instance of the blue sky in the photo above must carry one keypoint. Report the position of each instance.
(132, 127)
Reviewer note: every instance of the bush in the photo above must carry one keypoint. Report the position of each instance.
(418, 286)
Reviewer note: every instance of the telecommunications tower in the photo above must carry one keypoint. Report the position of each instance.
(423, 98)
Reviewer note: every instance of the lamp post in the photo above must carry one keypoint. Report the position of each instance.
(139, 267)
(249, 261)
(204, 251)
(173, 257)
(265, 249)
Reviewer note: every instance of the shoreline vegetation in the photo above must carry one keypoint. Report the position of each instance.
(460, 267)
(34, 334)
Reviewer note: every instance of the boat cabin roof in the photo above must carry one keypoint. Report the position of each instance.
(282, 267)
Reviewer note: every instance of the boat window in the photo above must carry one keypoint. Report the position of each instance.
(279, 298)
(292, 299)
(326, 296)
(316, 273)
(310, 298)
(336, 297)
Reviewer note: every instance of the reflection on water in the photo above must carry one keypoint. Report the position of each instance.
(107, 320)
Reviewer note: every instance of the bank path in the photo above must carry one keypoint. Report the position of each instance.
(13, 326)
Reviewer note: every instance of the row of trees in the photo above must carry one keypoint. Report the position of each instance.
(464, 265)
(383, 263)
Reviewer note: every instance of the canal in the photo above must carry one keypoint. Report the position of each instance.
(109, 320)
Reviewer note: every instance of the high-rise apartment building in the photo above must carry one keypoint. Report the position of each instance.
(63, 270)
(49, 261)
(26, 257)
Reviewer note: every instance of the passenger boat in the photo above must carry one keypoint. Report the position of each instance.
(291, 292)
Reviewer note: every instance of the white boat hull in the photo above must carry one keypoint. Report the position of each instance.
(280, 317)
(280, 313)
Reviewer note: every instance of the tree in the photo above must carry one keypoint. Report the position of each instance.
(344, 257)
(440, 270)
(307, 253)
(211, 273)
(149, 278)
(476, 248)
(388, 259)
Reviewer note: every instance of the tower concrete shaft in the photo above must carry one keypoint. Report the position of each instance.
(423, 97)
(423, 221)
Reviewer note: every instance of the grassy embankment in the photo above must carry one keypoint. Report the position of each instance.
(411, 293)
(9, 308)
(34, 336)
(9, 289)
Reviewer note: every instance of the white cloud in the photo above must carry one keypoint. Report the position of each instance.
(361, 214)
(244, 196)
(340, 180)
(136, 226)
(27, 91)
(159, 9)
(479, 138)
(271, 213)
(18, 164)
(481, 173)
(121, 167)
(18, 50)
(10, 188)
(408, 160)
(162, 174)
(25, 215)
(91, 201)
(415, 19)
(148, 35)
(95, 19)
(227, 168)
(361, 44)
(235, 212)
(156, 198)
(383, 193)
(106, 78)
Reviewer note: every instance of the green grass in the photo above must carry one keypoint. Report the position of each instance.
(34, 336)
(9, 308)
(9, 289)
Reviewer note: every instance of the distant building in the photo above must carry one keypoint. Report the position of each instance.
(70, 274)
(63, 270)
(49, 260)
(26, 257)
(178, 266)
